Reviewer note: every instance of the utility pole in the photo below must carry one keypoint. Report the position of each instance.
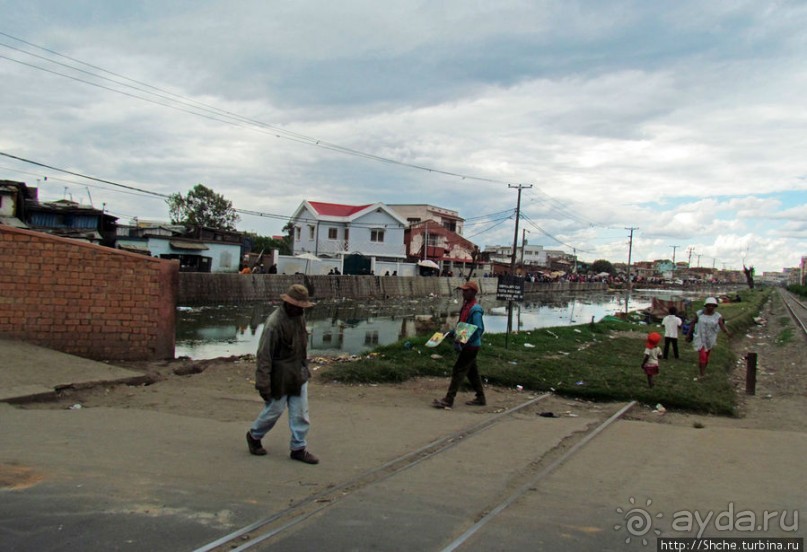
(689, 258)
(699, 260)
(513, 262)
(515, 235)
(425, 240)
(523, 243)
(674, 247)
(630, 252)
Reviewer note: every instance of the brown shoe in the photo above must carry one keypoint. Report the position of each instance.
(479, 401)
(304, 456)
(255, 446)
(442, 403)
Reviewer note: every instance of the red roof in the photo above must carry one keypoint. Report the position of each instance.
(335, 209)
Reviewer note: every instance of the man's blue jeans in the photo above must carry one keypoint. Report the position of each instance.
(298, 417)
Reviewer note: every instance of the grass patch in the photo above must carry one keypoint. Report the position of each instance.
(599, 361)
(784, 337)
(799, 290)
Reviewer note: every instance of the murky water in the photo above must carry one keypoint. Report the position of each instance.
(354, 327)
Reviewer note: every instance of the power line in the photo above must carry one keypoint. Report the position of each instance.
(555, 238)
(493, 217)
(64, 180)
(561, 208)
(51, 167)
(501, 221)
(285, 218)
(220, 115)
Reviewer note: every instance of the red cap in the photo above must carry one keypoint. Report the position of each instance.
(652, 339)
(470, 284)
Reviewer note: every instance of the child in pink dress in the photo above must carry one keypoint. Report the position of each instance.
(652, 352)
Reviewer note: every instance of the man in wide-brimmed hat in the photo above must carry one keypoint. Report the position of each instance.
(281, 376)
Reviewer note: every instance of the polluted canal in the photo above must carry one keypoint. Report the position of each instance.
(355, 327)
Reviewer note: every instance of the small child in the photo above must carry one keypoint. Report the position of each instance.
(671, 323)
(651, 355)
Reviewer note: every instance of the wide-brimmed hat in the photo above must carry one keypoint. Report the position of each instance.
(470, 284)
(652, 339)
(297, 295)
(710, 301)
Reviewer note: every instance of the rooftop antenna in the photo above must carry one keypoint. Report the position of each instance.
(88, 195)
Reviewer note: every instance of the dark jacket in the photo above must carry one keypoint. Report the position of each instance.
(282, 365)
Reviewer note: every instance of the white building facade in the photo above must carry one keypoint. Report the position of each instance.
(331, 230)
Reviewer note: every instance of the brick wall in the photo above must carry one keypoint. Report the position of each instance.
(85, 299)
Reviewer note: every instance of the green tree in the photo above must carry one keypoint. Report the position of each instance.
(266, 243)
(202, 207)
(601, 265)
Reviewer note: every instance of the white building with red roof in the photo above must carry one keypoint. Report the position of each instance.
(333, 229)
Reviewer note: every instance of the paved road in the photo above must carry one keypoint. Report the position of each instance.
(118, 479)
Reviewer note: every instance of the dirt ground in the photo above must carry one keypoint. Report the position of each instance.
(222, 389)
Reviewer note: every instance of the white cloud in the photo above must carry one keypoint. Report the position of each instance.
(628, 115)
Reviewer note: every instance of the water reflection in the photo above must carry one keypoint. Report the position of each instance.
(354, 327)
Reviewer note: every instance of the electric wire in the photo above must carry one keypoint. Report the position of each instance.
(285, 218)
(558, 206)
(280, 133)
(51, 167)
(502, 221)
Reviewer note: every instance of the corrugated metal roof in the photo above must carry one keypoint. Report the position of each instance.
(134, 248)
(182, 244)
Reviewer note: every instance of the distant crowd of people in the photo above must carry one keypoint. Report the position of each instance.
(541, 277)
(258, 269)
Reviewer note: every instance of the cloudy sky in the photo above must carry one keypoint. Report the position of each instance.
(685, 120)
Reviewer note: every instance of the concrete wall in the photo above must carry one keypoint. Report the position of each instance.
(84, 299)
(198, 288)
(286, 264)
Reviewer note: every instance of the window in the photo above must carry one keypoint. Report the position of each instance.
(347, 234)
(332, 233)
(371, 337)
(376, 235)
(296, 232)
(413, 220)
(311, 232)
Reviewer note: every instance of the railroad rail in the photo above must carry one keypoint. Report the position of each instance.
(796, 308)
(283, 521)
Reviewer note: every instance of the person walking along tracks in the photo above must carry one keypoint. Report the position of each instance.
(703, 332)
(282, 375)
(471, 313)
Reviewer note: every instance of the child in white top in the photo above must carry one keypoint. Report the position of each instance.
(671, 323)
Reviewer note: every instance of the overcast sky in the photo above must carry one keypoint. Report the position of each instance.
(686, 120)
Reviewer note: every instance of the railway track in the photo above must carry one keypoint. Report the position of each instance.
(796, 308)
(269, 531)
